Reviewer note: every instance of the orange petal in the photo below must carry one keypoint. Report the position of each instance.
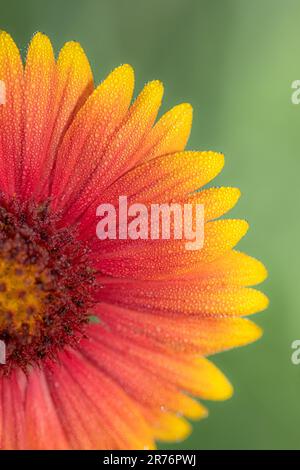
(168, 426)
(43, 427)
(142, 114)
(119, 155)
(11, 73)
(98, 412)
(40, 88)
(172, 296)
(74, 85)
(78, 415)
(82, 149)
(12, 434)
(216, 201)
(170, 134)
(141, 385)
(234, 268)
(159, 259)
(175, 332)
(175, 176)
(192, 374)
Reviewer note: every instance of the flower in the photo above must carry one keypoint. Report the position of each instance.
(106, 341)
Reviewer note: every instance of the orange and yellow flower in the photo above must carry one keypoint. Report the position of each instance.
(127, 379)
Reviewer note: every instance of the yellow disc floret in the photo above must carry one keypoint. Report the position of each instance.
(21, 299)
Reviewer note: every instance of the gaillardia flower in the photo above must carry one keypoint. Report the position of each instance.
(106, 341)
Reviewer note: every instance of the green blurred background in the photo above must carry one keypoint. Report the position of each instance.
(234, 60)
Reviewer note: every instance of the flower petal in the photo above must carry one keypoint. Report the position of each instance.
(125, 144)
(11, 73)
(175, 332)
(175, 176)
(40, 89)
(12, 429)
(161, 259)
(94, 409)
(43, 427)
(77, 413)
(74, 85)
(141, 385)
(195, 375)
(50, 108)
(168, 426)
(170, 134)
(172, 297)
(82, 150)
(120, 153)
(234, 268)
(216, 201)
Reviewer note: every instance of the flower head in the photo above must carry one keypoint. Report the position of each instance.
(107, 340)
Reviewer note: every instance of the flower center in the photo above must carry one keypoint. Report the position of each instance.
(46, 284)
(21, 297)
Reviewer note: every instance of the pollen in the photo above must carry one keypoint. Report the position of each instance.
(21, 297)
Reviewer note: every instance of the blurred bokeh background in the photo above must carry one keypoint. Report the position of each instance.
(234, 60)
